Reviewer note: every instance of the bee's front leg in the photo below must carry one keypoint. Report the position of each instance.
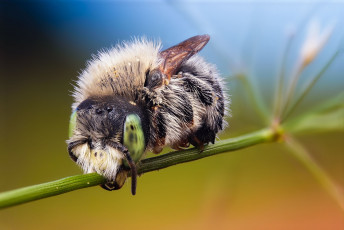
(152, 97)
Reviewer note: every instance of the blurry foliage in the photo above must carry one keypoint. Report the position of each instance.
(328, 116)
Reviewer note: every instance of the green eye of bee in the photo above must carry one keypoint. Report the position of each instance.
(133, 137)
(72, 123)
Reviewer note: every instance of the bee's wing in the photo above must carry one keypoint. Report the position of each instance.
(174, 56)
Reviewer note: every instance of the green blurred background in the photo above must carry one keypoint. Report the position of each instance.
(45, 44)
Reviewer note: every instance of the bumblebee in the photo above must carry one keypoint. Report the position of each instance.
(134, 98)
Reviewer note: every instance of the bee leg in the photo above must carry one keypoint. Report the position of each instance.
(111, 185)
(196, 142)
(176, 147)
(181, 145)
(152, 98)
(158, 148)
(133, 171)
(172, 111)
(71, 146)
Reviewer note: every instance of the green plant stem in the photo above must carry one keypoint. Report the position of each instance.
(292, 85)
(319, 173)
(309, 86)
(281, 78)
(53, 188)
(231, 144)
(256, 98)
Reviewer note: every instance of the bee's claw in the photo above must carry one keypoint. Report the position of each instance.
(197, 143)
(158, 149)
(183, 144)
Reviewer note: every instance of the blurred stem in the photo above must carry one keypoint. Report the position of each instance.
(325, 180)
(291, 89)
(256, 99)
(309, 86)
(326, 116)
(279, 93)
(53, 188)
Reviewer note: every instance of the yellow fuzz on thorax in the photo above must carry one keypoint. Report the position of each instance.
(117, 71)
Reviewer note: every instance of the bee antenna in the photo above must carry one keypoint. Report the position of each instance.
(132, 169)
(131, 164)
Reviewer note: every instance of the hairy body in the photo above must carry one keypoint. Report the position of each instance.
(187, 107)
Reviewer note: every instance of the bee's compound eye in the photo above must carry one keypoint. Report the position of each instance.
(72, 123)
(133, 137)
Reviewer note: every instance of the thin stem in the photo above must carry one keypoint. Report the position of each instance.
(291, 89)
(281, 79)
(256, 99)
(53, 188)
(309, 86)
(326, 116)
(231, 144)
(325, 180)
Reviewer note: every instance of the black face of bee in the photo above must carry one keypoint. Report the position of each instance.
(103, 117)
(101, 122)
(128, 101)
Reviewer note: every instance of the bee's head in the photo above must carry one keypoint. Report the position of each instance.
(106, 136)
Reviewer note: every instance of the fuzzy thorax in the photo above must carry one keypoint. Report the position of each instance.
(119, 70)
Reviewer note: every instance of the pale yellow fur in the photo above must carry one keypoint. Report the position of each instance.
(105, 162)
(124, 66)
